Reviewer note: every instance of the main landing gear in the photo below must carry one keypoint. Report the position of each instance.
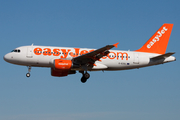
(29, 70)
(85, 76)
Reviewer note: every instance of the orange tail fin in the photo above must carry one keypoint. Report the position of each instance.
(159, 41)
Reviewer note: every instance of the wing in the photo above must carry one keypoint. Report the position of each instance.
(89, 58)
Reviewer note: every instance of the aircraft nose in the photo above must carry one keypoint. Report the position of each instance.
(7, 57)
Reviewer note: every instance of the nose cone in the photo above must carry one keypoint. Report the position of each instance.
(7, 57)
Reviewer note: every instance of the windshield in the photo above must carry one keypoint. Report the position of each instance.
(16, 50)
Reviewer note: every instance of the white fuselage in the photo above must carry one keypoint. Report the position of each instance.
(43, 56)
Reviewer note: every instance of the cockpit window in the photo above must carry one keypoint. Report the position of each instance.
(16, 50)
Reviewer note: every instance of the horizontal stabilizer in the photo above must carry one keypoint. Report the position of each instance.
(163, 56)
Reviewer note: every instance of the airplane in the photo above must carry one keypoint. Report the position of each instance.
(65, 61)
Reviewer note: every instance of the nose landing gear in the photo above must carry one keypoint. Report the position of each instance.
(29, 70)
(85, 76)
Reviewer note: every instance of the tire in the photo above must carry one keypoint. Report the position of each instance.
(86, 75)
(28, 75)
(83, 79)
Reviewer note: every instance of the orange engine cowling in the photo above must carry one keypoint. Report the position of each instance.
(61, 68)
(60, 64)
(59, 73)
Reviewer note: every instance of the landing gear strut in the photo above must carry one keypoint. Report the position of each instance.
(85, 76)
(29, 70)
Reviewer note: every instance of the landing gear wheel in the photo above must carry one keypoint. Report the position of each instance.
(28, 75)
(29, 70)
(86, 75)
(83, 79)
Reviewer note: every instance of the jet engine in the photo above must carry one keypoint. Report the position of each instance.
(60, 64)
(62, 68)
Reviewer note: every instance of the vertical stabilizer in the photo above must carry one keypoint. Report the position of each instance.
(159, 41)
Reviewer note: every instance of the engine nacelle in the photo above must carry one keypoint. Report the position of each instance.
(60, 64)
(62, 68)
(59, 73)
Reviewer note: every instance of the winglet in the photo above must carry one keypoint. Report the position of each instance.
(116, 45)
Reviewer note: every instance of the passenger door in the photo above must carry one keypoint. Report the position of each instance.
(136, 58)
(29, 52)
